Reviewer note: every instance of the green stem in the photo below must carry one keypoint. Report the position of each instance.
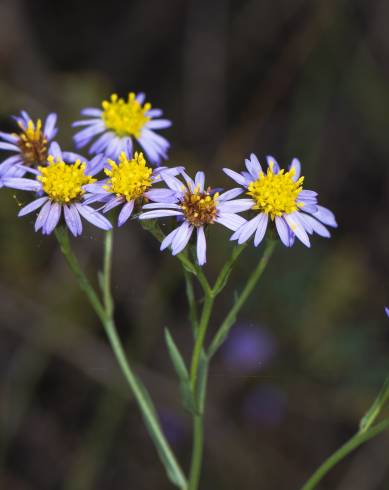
(198, 389)
(199, 385)
(342, 452)
(107, 266)
(365, 433)
(200, 337)
(105, 313)
(64, 243)
(227, 268)
(199, 357)
(202, 278)
(373, 412)
(197, 452)
(241, 299)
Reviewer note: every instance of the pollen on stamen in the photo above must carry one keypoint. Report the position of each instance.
(276, 194)
(63, 182)
(125, 118)
(129, 179)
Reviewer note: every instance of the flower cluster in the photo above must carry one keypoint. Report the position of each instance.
(66, 184)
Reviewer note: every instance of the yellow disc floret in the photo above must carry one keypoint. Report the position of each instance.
(33, 143)
(63, 182)
(276, 194)
(128, 178)
(200, 208)
(125, 118)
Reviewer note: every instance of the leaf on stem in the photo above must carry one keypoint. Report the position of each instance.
(219, 287)
(182, 373)
(173, 474)
(376, 408)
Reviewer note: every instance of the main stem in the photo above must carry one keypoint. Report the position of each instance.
(197, 447)
(209, 297)
(200, 337)
(105, 313)
(197, 452)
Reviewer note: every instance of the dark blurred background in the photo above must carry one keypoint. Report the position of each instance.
(283, 77)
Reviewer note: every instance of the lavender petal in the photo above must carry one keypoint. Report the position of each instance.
(32, 206)
(52, 218)
(73, 220)
(125, 212)
(201, 246)
(42, 216)
(93, 216)
(181, 238)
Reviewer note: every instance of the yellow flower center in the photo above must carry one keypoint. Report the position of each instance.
(33, 143)
(125, 118)
(200, 208)
(276, 194)
(63, 182)
(128, 178)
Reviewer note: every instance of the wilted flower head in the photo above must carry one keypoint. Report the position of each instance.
(129, 182)
(30, 143)
(197, 206)
(60, 186)
(279, 195)
(118, 122)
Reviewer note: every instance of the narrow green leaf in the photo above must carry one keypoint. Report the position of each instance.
(187, 399)
(187, 264)
(175, 356)
(221, 336)
(174, 476)
(182, 373)
(147, 399)
(152, 423)
(375, 408)
(219, 287)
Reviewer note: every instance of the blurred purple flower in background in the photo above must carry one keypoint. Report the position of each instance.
(264, 406)
(173, 426)
(248, 348)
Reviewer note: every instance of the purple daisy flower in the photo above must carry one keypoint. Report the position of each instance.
(60, 187)
(198, 207)
(30, 144)
(129, 183)
(118, 122)
(280, 196)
